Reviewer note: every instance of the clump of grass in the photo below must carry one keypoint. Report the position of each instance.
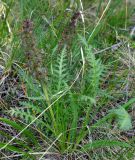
(79, 109)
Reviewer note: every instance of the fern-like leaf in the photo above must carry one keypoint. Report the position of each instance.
(105, 143)
(123, 118)
(95, 70)
(28, 113)
(60, 71)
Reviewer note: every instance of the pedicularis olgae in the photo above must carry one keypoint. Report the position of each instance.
(34, 57)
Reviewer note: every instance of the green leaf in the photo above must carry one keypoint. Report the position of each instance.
(129, 104)
(17, 141)
(11, 148)
(19, 127)
(123, 118)
(105, 143)
(61, 70)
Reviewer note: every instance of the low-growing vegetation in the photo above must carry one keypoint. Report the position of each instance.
(67, 79)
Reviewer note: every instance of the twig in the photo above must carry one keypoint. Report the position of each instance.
(113, 48)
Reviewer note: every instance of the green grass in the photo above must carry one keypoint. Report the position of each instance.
(60, 97)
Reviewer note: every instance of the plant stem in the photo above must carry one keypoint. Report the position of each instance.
(49, 103)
